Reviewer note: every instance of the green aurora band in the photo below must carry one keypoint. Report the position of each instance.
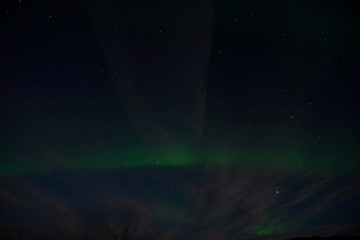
(291, 158)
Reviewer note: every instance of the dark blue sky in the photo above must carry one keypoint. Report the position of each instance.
(204, 120)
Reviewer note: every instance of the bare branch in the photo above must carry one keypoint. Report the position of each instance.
(114, 235)
(21, 234)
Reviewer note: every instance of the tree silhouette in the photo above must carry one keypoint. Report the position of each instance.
(125, 232)
(21, 234)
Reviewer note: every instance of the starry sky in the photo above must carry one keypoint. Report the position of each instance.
(202, 119)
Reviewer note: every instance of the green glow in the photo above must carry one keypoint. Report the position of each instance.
(267, 229)
(332, 153)
(132, 158)
(263, 231)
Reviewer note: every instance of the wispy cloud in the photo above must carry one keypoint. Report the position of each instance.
(226, 204)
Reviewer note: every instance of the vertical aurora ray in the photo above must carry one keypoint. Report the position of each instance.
(206, 119)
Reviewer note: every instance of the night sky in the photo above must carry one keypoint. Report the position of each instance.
(200, 119)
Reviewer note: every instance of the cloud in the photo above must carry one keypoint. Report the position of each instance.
(226, 204)
(40, 211)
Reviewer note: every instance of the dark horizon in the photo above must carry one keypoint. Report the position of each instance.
(204, 119)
